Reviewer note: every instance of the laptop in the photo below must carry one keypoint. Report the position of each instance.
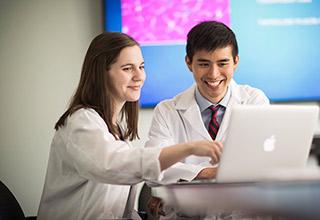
(262, 140)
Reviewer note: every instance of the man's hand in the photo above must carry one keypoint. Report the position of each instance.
(207, 173)
(155, 206)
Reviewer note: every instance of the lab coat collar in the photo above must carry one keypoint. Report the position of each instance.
(238, 97)
(186, 105)
(186, 99)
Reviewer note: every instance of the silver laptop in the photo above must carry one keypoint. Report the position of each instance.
(264, 139)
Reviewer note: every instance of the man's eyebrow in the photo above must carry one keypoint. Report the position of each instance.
(219, 61)
(203, 60)
(224, 60)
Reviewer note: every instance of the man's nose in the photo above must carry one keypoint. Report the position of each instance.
(214, 71)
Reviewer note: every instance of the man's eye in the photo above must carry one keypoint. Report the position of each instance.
(141, 67)
(223, 64)
(203, 64)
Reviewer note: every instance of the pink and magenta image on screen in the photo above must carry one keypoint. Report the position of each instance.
(168, 21)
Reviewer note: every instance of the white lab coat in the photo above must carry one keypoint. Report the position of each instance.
(179, 120)
(89, 172)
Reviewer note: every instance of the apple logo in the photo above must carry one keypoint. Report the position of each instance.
(269, 144)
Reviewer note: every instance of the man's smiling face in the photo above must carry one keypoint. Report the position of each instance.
(213, 71)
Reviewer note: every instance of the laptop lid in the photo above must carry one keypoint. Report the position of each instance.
(264, 139)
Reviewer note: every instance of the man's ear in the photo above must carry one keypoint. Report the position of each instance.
(188, 62)
(236, 60)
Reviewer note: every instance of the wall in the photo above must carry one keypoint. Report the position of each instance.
(43, 44)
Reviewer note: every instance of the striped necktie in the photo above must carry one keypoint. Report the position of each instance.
(213, 123)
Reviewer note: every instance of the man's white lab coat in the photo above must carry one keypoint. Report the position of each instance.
(179, 120)
(89, 172)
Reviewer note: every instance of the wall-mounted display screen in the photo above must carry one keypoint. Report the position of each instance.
(279, 43)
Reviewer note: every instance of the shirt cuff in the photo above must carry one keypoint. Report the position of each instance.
(150, 164)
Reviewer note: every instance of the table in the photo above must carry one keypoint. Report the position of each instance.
(290, 199)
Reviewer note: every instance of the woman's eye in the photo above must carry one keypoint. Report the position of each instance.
(127, 69)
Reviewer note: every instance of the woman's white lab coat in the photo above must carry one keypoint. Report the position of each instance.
(179, 120)
(89, 172)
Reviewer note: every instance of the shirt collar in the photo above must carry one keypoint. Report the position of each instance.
(204, 103)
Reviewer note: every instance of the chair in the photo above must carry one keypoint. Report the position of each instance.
(315, 149)
(10, 209)
(144, 197)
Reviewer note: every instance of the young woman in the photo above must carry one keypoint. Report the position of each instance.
(92, 164)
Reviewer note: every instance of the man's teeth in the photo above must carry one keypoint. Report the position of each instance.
(216, 83)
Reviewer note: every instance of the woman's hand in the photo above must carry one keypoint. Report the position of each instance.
(172, 154)
(211, 149)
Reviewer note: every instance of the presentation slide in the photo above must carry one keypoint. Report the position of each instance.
(279, 43)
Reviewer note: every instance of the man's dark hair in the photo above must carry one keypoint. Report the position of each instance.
(209, 36)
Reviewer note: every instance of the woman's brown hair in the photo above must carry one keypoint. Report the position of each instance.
(95, 87)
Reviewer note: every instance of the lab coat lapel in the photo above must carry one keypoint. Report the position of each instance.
(225, 121)
(189, 110)
(194, 120)
(237, 98)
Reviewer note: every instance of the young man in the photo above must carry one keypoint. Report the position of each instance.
(203, 110)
